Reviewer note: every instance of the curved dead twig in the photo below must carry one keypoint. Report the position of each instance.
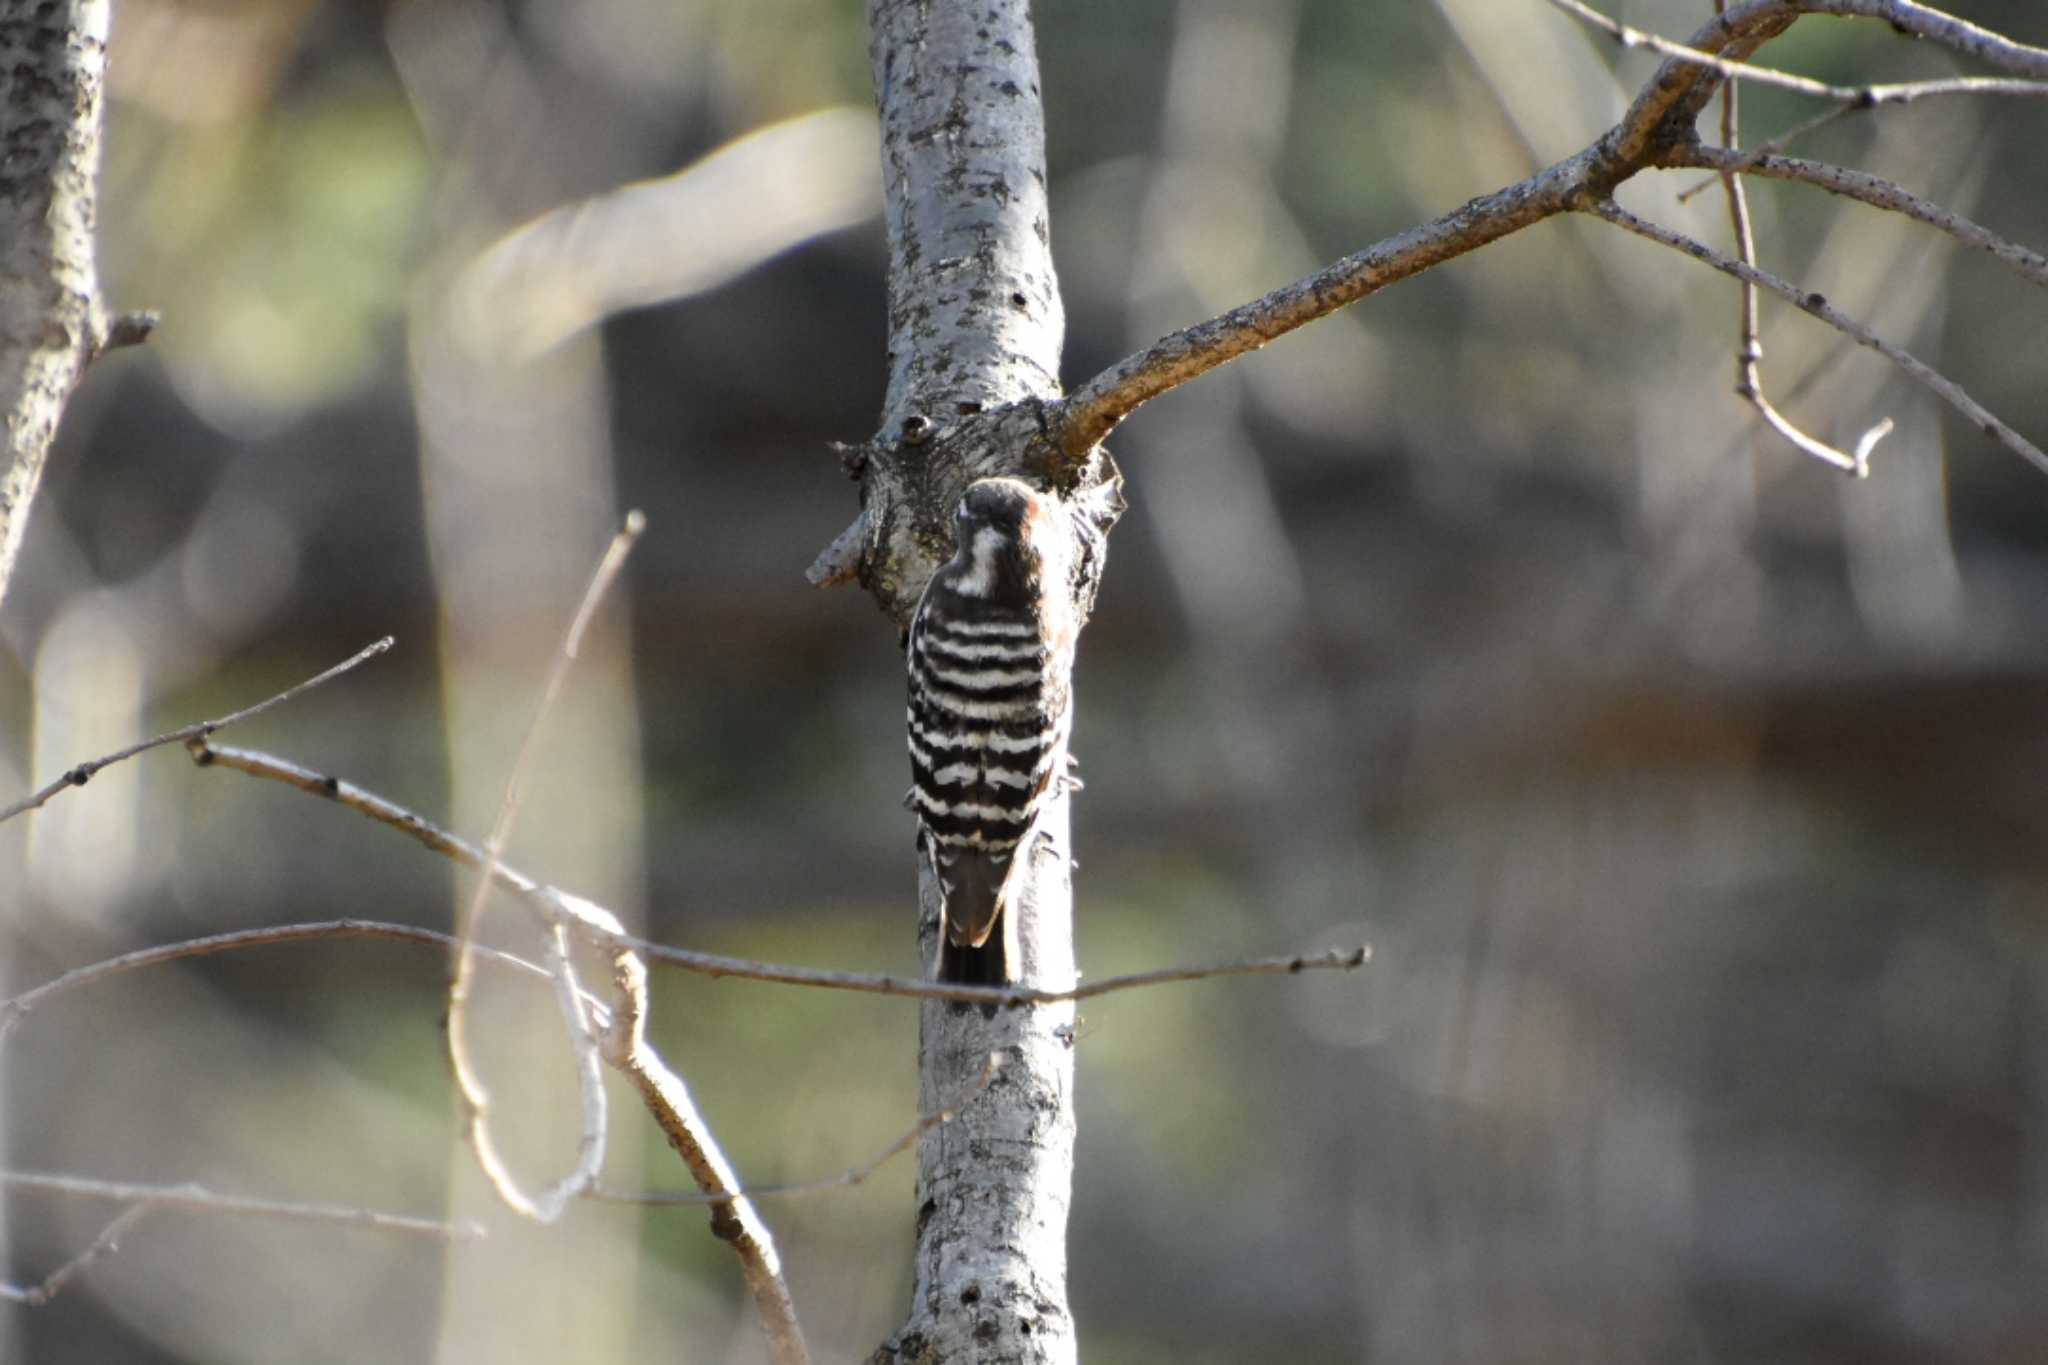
(1947, 389)
(1749, 382)
(548, 1204)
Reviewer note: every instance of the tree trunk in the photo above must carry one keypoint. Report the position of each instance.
(975, 329)
(53, 61)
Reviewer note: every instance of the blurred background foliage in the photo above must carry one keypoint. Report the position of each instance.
(1688, 793)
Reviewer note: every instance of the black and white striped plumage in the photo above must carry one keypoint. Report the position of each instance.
(991, 708)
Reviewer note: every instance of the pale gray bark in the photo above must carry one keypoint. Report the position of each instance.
(974, 339)
(974, 308)
(53, 60)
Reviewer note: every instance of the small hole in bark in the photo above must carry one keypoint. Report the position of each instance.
(970, 1295)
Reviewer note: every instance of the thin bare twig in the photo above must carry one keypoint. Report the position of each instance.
(1776, 144)
(733, 1217)
(13, 1010)
(1868, 189)
(1922, 21)
(1817, 304)
(846, 1179)
(1629, 36)
(547, 1205)
(1918, 20)
(1872, 97)
(83, 773)
(106, 1244)
(703, 964)
(198, 1198)
(1749, 382)
(600, 926)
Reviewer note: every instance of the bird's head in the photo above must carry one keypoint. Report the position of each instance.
(1001, 531)
(1000, 504)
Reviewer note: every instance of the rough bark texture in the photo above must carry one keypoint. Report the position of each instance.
(53, 59)
(974, 338)
(974, 308)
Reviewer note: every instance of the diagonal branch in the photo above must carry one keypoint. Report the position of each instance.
(1875, 96)
(1917, 20)
(1869, 189)
(106, 1244)
(1094, 409)
(196, 1197)
(1631, 37)
(733, 1216)
(13, 1010)
(1958, 35)
(142, 1200)
(1947, 389)
(83, 773)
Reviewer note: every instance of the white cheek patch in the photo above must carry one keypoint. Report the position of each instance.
(980, 578)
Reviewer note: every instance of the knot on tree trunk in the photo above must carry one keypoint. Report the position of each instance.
(912, 481)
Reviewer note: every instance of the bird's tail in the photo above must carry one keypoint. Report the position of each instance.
(963, 964)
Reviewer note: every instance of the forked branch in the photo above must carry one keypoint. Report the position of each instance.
(1657, 131)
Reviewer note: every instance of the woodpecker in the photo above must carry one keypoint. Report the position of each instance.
(991, 655)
